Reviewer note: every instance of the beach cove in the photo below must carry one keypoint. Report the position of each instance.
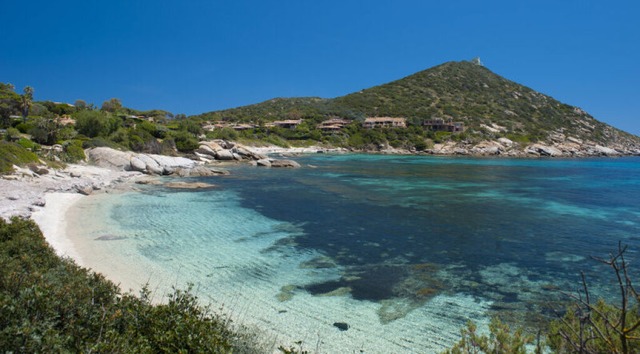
(375, 242)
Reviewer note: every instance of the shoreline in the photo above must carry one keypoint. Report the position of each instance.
(52, 220)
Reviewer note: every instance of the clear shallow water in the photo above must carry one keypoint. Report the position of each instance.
(404, 249)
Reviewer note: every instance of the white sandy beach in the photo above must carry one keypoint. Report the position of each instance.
(52, 220)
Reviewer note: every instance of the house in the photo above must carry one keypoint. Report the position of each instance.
(286, 124)
(333, 124)
(384, 122)
(66, 120)
(442, 125)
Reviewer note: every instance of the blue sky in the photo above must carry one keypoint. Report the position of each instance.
(196, 56)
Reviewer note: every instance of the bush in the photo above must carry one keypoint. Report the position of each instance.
(185, 142)
(95, 123)
(14, 154)
(50, 305)
(73, 151)
(499, 340)
(28, 144)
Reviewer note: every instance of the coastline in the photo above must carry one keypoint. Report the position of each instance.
(52, 220)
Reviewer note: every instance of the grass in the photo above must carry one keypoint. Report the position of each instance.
(14, 154)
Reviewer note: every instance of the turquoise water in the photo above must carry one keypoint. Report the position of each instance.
(404, 249)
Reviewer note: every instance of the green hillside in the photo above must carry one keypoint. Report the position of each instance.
(461, 91)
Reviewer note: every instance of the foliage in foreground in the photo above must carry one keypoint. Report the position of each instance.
(49, 304)
(586, 327)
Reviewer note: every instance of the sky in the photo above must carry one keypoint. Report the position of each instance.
(196, 56)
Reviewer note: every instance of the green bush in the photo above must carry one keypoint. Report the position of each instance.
(73, 151)
(499, 340)
(28, 144)
(14, 154)
(24, 127)
(185, 142)
(50, 305)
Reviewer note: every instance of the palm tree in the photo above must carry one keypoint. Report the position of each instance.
(25, 104)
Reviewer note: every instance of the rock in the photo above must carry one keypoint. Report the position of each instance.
(85, 190)
(284, 163)
(247, 153)
(39, 202)
(150, 181)
(13, 197)
(200, 171)
(605, 151)
(224, 155)
(75, 174)
(138, 165)
(341, 326)
(170, 163)
(505, 142)
(488, 148)
(263, 162)
(39, 170)
(544, 150)
(189, 185)
(110, 158)
(152, 166)
(11, 177)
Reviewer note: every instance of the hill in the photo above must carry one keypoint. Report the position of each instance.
(490, 106)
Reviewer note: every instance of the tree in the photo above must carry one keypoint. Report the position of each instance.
(601, 327)
(80, 105)
(9, 102)
(95, 123)
(112, 105)
(45, 131)
(25, 102)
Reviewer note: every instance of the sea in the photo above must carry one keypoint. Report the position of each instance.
(356, 253)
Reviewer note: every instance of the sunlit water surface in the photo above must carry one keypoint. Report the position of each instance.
(403, 249)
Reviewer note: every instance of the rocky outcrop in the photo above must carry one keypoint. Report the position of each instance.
(558, 145)
(543, 150)
(284, 163)
(131, 161)
(222, 150)
(189, 185)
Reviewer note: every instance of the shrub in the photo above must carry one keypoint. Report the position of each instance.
(185, 142)
(14, 154)
(28, 144)
(51, 305)
(499, 340)
(73, 151)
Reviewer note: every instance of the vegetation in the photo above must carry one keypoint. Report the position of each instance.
(489, 106)
(461, 91)
(14, 154)
(585, 327)
(49, 304)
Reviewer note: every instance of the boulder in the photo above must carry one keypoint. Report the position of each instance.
(341, 326)
(200, 171)
(172, 162)
(189, 185)
(84, 190)
(505, 142)
(137, 164)
(544, 150)
(206, 150)
(247, 153)
(151, 165)
(224, 155)
(263, 162)
(284, 163)
(605, 151)
(110, 158)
